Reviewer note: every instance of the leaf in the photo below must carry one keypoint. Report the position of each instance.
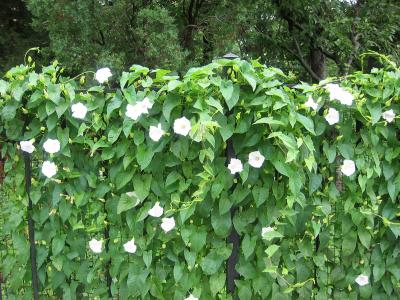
(268, 120)
(248, 245)
(315, 182)
(272, 235)
(214, 103)
(123, 178)
(178, 272)
(147, 257)
(217, 283)
(114, 133)
(379, 271)
(127, 201)
(114, 104)
(231, 102)
(3, 87)
(198, 239)
(57, 245)
(54, 92)
(225, 204)
(211, 263)
(221, 223)
(144, 156)
(271, 250)
(173, 84)
(8, 112)
(171, 101)
(306, 122)
(349, 243)
(141, 185)
(365, 237)
(375, 111)
(226, 88)
(248, 73)
(288, 141)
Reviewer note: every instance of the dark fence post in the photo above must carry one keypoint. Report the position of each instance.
(31, 226)
(1, 290)
(233, 238)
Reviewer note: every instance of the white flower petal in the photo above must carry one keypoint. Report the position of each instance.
(27, 146)
(156, 132)
(133, 111)
(182, 126)
(49, 169)
(95, 245)
(51, 146)
(338, 93)
(348, 167)
(389, 115)
(102, 75)
(235, 166)
(156, 211)
(147, 103)
(79, 110)
(311, 103)
(256, 159)
(191, 297)
(168, 224)
(332, 117)
(130, 246)
(362, 280)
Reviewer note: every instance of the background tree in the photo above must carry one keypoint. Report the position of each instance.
(312, 38)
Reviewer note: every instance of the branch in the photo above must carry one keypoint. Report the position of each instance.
(354, 35)
(300, 58)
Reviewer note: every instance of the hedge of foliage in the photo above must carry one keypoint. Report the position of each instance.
(137, 183)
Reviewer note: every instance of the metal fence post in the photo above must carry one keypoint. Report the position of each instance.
(233, 238)
(31, 225)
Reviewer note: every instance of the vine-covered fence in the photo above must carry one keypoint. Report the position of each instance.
(224, 183)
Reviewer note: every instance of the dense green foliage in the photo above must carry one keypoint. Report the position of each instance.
(312, 39)
(327, 228)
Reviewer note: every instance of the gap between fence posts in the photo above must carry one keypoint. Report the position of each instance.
(31, 225)
(234, 237)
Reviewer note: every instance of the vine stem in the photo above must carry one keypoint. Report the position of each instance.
(29, 50)
(73, 78)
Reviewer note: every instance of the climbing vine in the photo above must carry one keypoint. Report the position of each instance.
(135, 189)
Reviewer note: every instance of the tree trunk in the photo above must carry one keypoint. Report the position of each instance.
(318, 62)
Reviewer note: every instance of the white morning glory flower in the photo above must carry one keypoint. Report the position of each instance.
(156, 210)
(95, 245)
(362, 280)
(133, 112)
(168, 224)
(191, 297)
(27, 146)
(146, 103)
(311, 103)
(332, 117)
(130, 246)
(265, 230)
(389, 115)
(340, 94)
(102, 75)
(256, 159)
(49, 169)
(182, 126)
(348, 167)
(156, 132)
(235, 166)
(51, 146)
(79, 110)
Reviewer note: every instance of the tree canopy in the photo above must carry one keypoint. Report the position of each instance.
(312, 38)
